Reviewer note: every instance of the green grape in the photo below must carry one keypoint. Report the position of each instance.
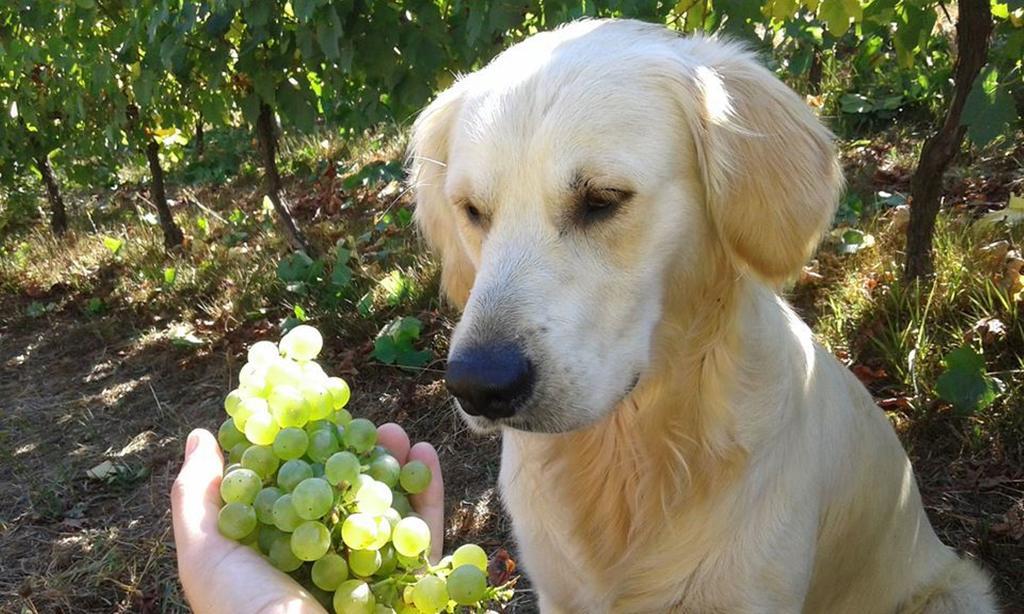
(430, 594)
(253, 379)
(359, 531)
(409, 562)
(285, 516)
(237, 451)
(466, 585)
(339, 390)
(268, 533)
(261, 429)
(360, 435)
(262, 460)
(341, 467)
(470, 554)
(400, 502)
(388, 561)
(383, 533)
(287, 406)
(385, 469)
(364, 562)
(232, 401)
(329, 571)
(283, 372)
(231, 468)
(318, 469)
(293, 472)
(281, 555)
(318, 400)
(302, 343)
(361, 480)
(311, 540)
(415, 477)
(228, 435)
(250, 405)
(354, 597)
(312, 372)
(291, 443)
(411, 537)
(315, 425)
(393, 518)
(263, 353)
(264, 503)
(240, 486)
(373, 498)
(252, 539)
(322, 444)
(236, 520)
(342, 417)
(377, 452)
(383, 609)
(312, 498)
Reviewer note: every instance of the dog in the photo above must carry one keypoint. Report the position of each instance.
(614, 207)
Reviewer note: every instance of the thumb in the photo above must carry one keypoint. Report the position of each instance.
(195, 496)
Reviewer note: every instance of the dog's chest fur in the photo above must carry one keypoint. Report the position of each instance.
(594, 502)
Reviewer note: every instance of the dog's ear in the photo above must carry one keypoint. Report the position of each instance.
(770, 170)
(435, 217)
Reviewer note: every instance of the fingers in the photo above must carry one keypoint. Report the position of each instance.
(195, 496)
(393, 437)
(430, 503)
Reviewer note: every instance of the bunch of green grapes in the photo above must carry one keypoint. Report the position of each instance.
(308, 487)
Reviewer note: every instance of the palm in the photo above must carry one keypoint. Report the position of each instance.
(221, 575)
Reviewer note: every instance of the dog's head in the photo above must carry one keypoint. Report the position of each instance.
(582, 173)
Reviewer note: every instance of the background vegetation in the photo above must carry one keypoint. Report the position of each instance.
(179, 178)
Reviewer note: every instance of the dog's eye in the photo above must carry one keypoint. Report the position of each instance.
(475, 215)
(601, 204)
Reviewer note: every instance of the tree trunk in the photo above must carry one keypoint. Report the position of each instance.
(200, 143)
(172, 234)
(973, 27)
(268, 149)
(58, 214)
(815, 73)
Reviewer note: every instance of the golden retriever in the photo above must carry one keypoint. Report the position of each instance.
(615, 207)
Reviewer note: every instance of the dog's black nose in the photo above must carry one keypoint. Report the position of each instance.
(489, 380)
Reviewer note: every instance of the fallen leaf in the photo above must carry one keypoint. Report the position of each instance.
(1013, 524)
(1011, 215)
(894, 403)
(867, 375)
(988, 329)
(103, 471)
(501, 567)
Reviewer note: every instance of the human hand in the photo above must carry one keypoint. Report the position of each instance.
(219, 574)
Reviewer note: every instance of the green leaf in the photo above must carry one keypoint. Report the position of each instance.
(394, 343)
(837, 15)
(990, 110)
(965, 383)
(296, 107)
(294, 267)
(263, 84)
(112, 244)
(304, 9)
(170, 274)
(300, 313)
(855, 103)
(328, 33)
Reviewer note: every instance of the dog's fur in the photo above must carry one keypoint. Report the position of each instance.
(687, 446)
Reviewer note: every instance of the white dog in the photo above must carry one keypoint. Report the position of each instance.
(614, 207)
